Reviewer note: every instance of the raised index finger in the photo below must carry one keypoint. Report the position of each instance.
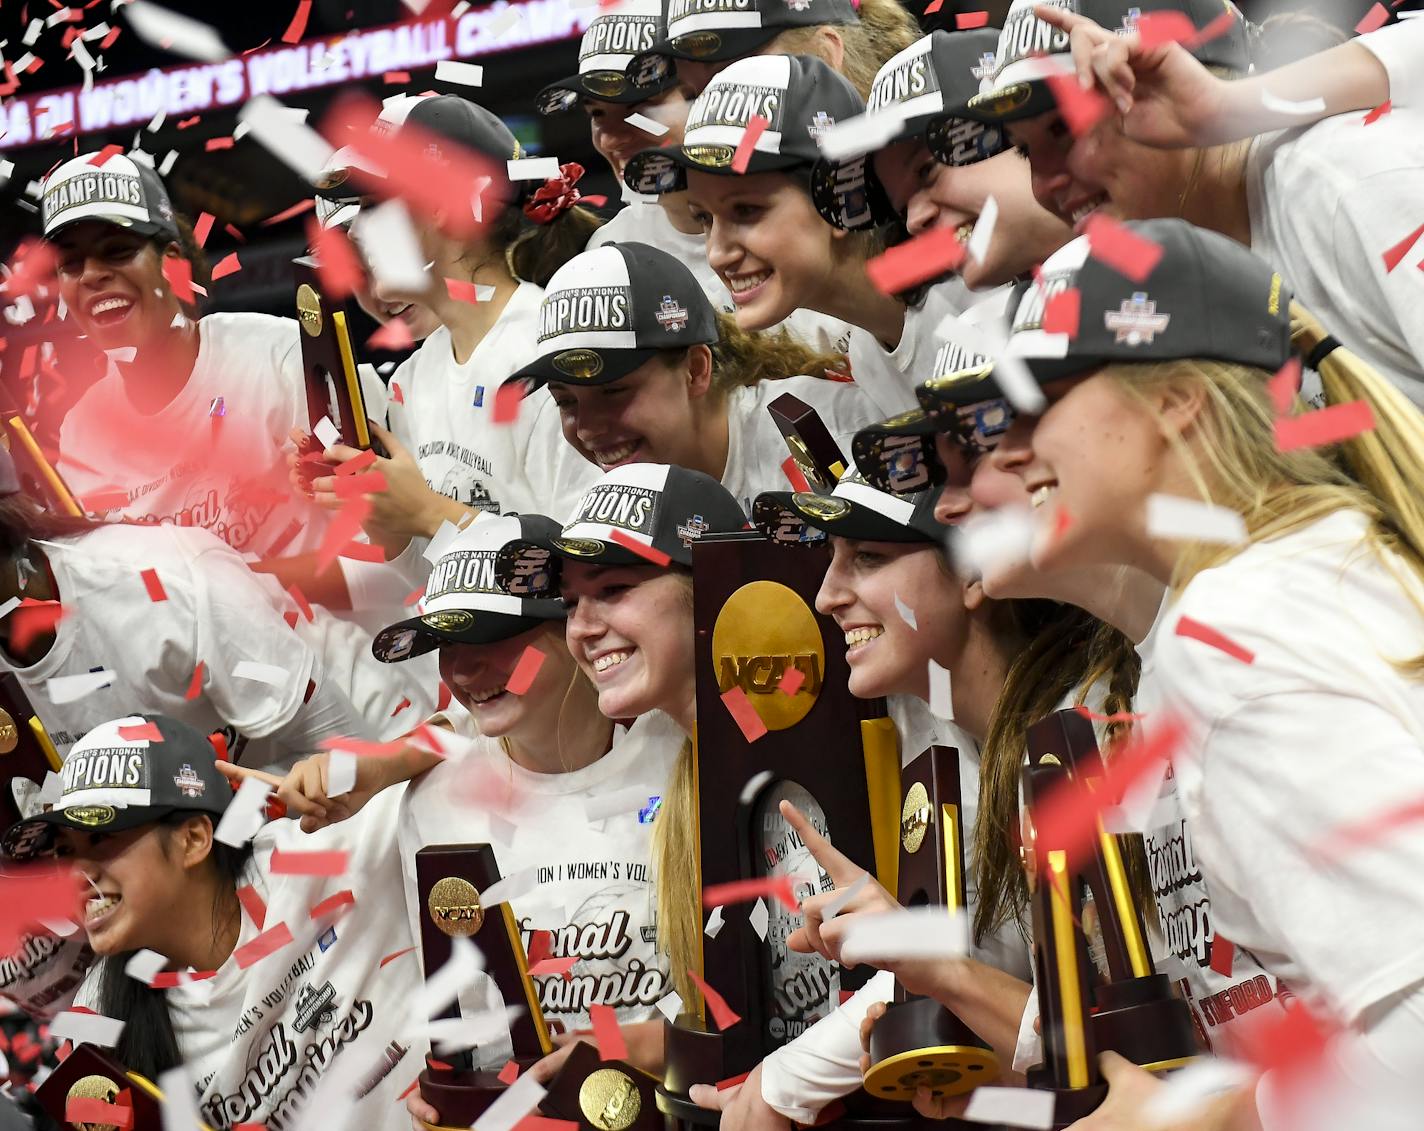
(232, 770)
(838, 866)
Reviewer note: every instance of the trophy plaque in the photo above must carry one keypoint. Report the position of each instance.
(332, 383)
(919, 1043)
(814, 449)
(1137, 1015)
(835, 756)
(90, 1074)
(602, 1095)
(449, 879)
(26, 752)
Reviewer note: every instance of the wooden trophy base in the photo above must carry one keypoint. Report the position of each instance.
(920, 1044)
(1070, 1104)
(694, 1055)
(460, 1096)
(1142, 1020)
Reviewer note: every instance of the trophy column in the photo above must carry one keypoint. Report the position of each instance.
(919, 1043)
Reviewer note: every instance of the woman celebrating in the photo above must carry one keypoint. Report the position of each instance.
(1319, 605)
(655, 375)
(312, 1002)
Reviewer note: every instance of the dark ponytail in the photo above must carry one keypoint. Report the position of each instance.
(535, 251)
(22, 521)
(149, 1045)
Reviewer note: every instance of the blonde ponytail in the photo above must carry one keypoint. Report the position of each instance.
(678, 887)
(741, 358)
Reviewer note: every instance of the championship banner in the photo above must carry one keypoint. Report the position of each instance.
(330, 60)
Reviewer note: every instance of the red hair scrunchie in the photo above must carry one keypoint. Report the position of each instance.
(556, 196)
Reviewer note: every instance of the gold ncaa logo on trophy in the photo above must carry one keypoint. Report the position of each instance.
(763, 630)
(609, 1100)
(93, 1088)
(915, 817)
(454, 906)
(9, 732)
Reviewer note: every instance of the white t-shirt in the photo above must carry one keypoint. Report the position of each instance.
(445, 415)
(257, 1042)
(185, 466)
(1400, 48)
(596, 890)
(1326, 203)
(217, 612)
(889, 377)
(1319, 733)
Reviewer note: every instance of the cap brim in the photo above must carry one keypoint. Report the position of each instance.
(142, 227)
(1009, 102)
(588, 367)
(654, 172)
(833, 514)
(597, 85)
(417, 636)
(715, 46)
(35, 836)
(856, 209)
(912, 467)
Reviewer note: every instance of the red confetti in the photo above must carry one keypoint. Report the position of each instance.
(1324, 426)
(731, 1081)
(1115, 717)
(413, 1084)
(179, 273)
(397, 397)
(642, 549)
(965, 20)
(357, 463)
(1378, 112)
(1062, 313)
(253, 903)
(509, 1073)
(31, 894)
(332, 903)
(745, 715)
(344, 527)
(544, 1123)
(153, 585)
(923, 258)
(525, 671)
(1376, 17)
(371, 483)
(461, 290)
(395, 78)
(722, 1013)
(414, 596)
(1081, 109)
(396, 954)
(336, 261)
(791, 682)
(295, 592)
(267, 943)
(611, 1045)
(227, 265)
(327, 863)
(203, 227)
(1123, 250)
(507, 399)
(167, 979)
(933, 7)
(1283, 386)
(594, 200)
(1395, 255)
(1157, 29)
(1222, 953)
(81, 1110)
(1195, 630)
(401, 706)
(195, 685)
(1215, 29)
(549, 966)
(235, 233)
(781, 888)
(541, 944)
(298, 27)
(362, 552)
(187, 122)
(304, 205)
(108, 40)
(794, 475)
(394, 335)
(142, 732)
(756, 126)
(32, 619)
(1286, 1040)
(101, 158)
(215, 143)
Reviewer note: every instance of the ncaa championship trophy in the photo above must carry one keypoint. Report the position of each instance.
(919, 1043)
(88, 1073)
(333, 385)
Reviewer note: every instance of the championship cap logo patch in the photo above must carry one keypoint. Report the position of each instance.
(671, 314)
(1136, 321)
(188, 782)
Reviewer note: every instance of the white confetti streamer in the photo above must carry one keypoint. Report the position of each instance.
(1310, 108)
(451, 1034)
(169, 31)
(440, 989)
(864, 133)
(646, 124)
(387, 237)
(1188, 1089)
(145, 966)
(978, 246)
(715, 923)
(759, 917)
(340, 773)
(533, 168)
(461, 74)
(71, 688)
(907, 614)
(843, 898)
(511, 887)
(941, 701)
(283, 132)
(269, 674)
(993, 540)
(517, 1101)
(670, 1006)
(921, 932)
(1172, 516)
(180, 1102)
(93, 1028)
(1015, 1107)
(245, 813)
(327, 432)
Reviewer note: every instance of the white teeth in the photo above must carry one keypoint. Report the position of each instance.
(738, 284)
(613, 659)
(609, 456)
(1041, 495)
(485, 696)
(109, 304)
(1088, 208)
(95, 907)
(964, 231)
(861, 635)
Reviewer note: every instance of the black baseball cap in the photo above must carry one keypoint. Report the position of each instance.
(662, 508)
(121, 191)
(112, 783)
(1207, 296)
(1030, 50)
(713, 31)
(607, 311)
(463, 603)
(465, 124)
(936, 72)
(854, 509)
(799, 95)
(608, 46)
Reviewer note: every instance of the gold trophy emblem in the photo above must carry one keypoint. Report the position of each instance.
(94, 1088)
(9, 734)
(609, 1100)
(915, 817)
(454, 906)
(309, 309)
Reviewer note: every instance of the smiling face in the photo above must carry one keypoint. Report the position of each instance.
(477, 675)
(630, 630)
(649, 416)
(617, 141)
(111, 279)
(1102, 171)
(930, 195)
(860, 590)
(767, 243)
(419, 320)
(136, 880)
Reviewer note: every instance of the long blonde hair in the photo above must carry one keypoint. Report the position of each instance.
(885, 28)
(1235, 463)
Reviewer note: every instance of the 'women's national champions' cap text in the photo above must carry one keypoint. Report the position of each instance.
(122, 191)
(918, 85)
(439, 117)
(607, 47)
(1030, 50)
(708, 31)
(111, 783)
(798, 95)
(658, 507)
(463, 601)
(1207, 296)
(854, 509)
(607, 311)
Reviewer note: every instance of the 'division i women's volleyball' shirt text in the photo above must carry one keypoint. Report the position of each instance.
(595, 890)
